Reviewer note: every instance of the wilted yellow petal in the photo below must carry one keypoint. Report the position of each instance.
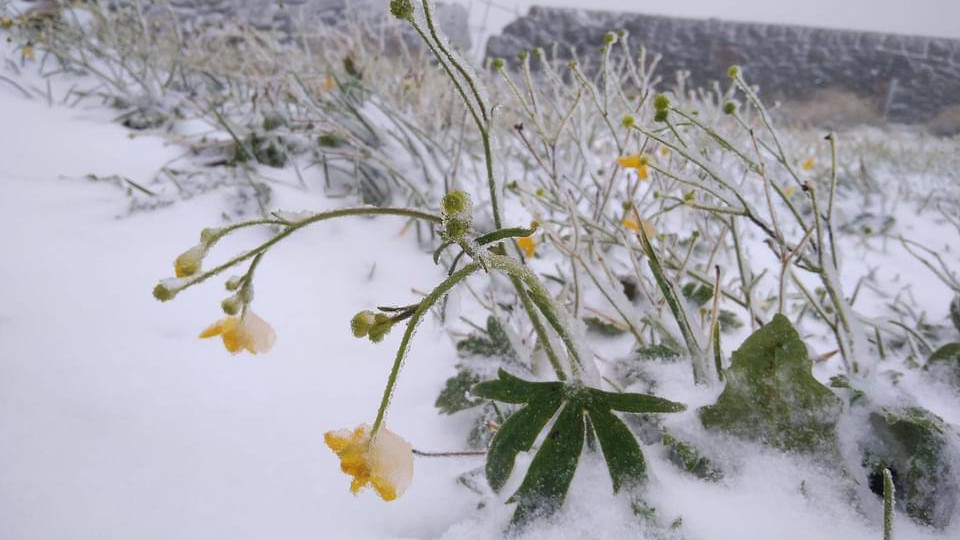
(528, 245)
(385, 462)
(249, 332)
(648, 227)
(643, 172)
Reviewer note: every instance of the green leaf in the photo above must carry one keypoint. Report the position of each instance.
(697, 294)
(624, 457)
(494, 343)
(772, 396)
(657, 351)
(635, 403)
(510, 389)
(455, 394)
(949, 354)
(688, 458)
(545, 487)
(517, 434)
(955, 312)
(602, 327)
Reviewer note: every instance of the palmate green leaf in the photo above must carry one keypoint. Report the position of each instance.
(545, 486)
(620, 449)
(635, 403)
(517, 434)
(455, 394)
(510, 389)
(494, 343)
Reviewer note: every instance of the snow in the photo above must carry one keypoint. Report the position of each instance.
(117, 422)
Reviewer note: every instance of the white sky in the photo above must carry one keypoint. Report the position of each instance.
(924, 17)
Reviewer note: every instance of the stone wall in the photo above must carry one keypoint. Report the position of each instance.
(906, 79)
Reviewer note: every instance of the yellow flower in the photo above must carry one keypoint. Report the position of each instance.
(808, 164)
(248, 332)
(385, 462)
(528, 245)
(648, 227)
(789, 191)
(329, 83)
(638, 162)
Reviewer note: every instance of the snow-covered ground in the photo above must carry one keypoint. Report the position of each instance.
(117, 422)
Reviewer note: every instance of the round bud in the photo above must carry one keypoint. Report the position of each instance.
(538, 53)
(163, 292)
(361, 322)
(661, 102)
(623, 33)
(456, 203)
(209, 235)
(628, 121)
(402, 9)
(456, 228)
(381, 327)
(540, 192)
(233, 283)
(522, 56)
(660, 116)
(497, 63)
(572, 64)
(231, 305)
(729, 108)
(609, 38)
(733, 71)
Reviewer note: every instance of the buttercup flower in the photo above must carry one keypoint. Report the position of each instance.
(638, 162)
(248, 332)
(385, 462)
(648, 227)
(528, 245)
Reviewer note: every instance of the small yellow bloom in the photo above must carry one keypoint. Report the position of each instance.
(385, 462)
(664, 151)
(28, 52)
(248, 332)
(329, 83)
(789, 191)
(648, 227)
(528, 245)
(638, 162)
(808, 164)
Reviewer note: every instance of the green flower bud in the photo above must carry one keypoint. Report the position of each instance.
(538, 53)
(628, 121)
(402, 9)
(729, 107)
(381, 327)
(609, 38)
(209, 235)
(497, 63)
(661, 102)
(233, 283)
(733, 71)
(572, 64)
(522, 56)
(456, 228)
(188, 263)
(456, 202)
(164, 292)
(660, 116)
(623, 33)
(231, 305)
(361, 322)
(540, 192)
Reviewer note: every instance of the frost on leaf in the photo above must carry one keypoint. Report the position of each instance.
(771, 395)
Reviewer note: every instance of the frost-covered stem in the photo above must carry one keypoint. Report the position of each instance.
(542, 335)
(765, 119)
(246, 290)
(889, 492)
(296, 226)
(541, 297)
(719, 139)
(442, 289)
(785, 269)
(452, 58)
(832, 137)
(836, 298)
(596, 101)
(746, 276)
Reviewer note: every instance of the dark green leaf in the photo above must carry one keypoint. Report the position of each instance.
(494, 343)
(688, 458)
(635, 403)
(545, 486)
(517, 434)
(510, 389)
(657, 351)
(949, 353)
(624, 458)
(955, 312)
(455, 394)
(697, 294)
(771, 394)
